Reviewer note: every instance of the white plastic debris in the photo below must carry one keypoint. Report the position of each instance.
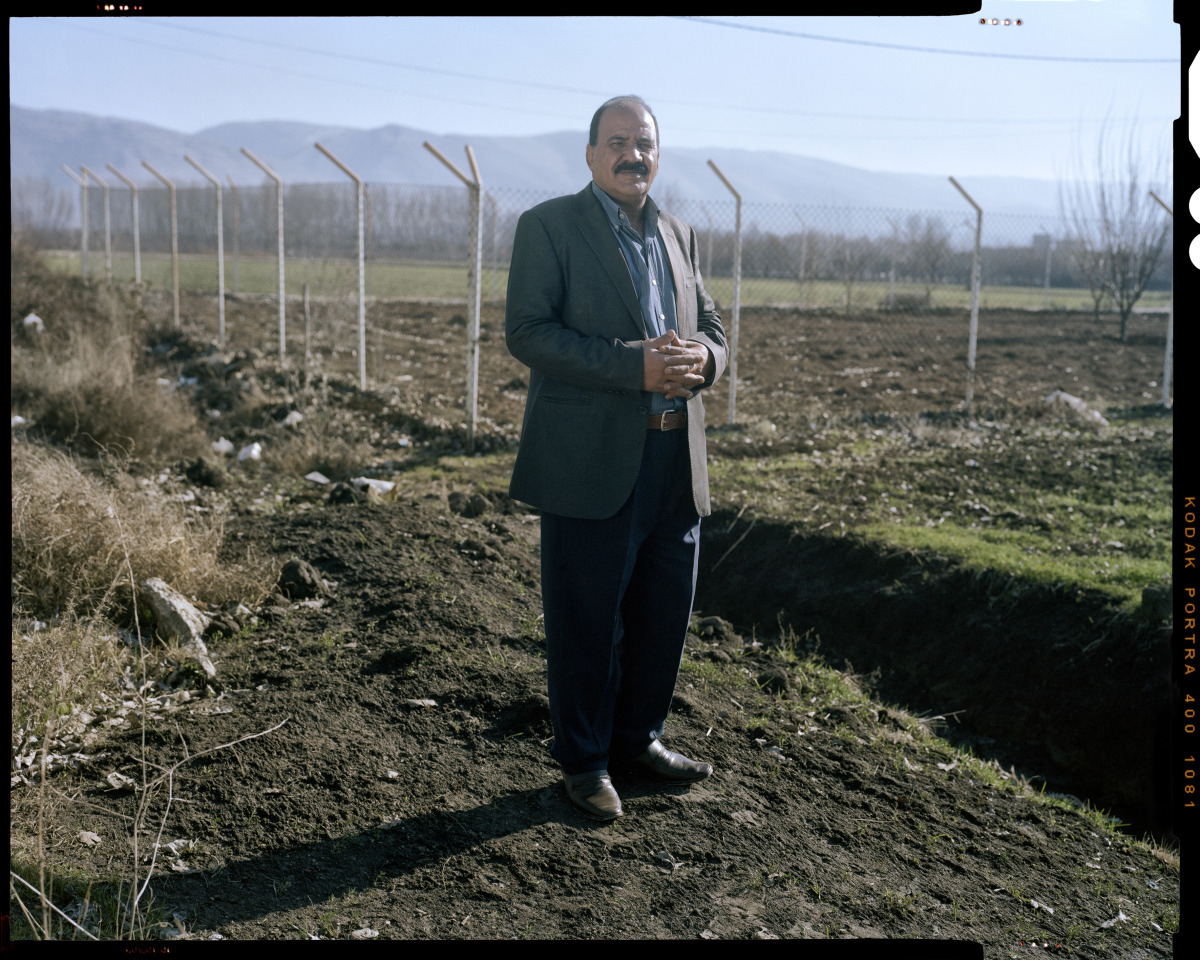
(1061, 398)
(223, 447)
(316, 477)
(1119, 918)
(252, 451)
(365, 933)
(1041, 906)
(420, 703)
(380, 487)
(91, 839)
(293, 419)
(33, 324)
(16, 422)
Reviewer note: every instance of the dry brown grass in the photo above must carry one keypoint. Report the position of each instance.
(85, 381)
(78, 540)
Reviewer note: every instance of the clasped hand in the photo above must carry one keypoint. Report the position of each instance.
(672, 366)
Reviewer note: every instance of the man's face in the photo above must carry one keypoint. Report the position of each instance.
(624, 160)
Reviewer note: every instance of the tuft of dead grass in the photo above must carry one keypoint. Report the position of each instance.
(78, 541)
(84, 381)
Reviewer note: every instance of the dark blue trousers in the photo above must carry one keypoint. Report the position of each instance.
(617, 597)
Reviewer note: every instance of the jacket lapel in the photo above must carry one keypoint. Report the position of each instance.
(684, 305)
(596, 231)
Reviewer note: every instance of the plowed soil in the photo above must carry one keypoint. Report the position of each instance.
(405, 790)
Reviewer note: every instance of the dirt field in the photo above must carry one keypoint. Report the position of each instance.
(409, 793)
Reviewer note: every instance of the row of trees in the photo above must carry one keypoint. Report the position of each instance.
(430, 224)
(1111, 239)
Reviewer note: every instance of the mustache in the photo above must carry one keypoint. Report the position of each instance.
(635, 167)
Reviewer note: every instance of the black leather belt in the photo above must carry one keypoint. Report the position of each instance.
(667, 421)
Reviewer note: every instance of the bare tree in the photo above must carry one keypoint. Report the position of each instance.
(928, 247)
(1118, 231)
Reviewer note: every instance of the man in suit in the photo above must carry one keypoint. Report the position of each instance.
(607, 308)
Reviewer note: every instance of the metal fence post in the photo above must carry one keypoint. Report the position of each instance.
(83, 213)
(107, 224)
(974, 295)
(279, 229)
(360, 190)
(803, 257)
(737, 294)
(220, 252)
(1166, 390)
(1049, 254)
(892, 267)
(137, 245)
(174, 237)
(473, 286)
(237, 206)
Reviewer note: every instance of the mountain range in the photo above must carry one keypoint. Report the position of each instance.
(42, 141)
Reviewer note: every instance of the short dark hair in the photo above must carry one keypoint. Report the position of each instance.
(626, 100)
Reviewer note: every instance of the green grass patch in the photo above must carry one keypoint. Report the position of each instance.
(1048, 504)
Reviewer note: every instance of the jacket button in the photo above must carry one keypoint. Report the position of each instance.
(644, 411)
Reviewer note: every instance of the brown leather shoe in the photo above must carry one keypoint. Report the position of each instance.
(663, 764)
(592, 794)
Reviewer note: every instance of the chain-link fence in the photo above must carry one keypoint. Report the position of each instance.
(910, 268)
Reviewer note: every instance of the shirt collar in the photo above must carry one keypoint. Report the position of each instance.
(616, 216)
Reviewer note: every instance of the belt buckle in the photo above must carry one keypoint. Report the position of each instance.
(662, 421)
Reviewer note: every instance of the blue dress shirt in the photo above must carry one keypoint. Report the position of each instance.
(650, 271)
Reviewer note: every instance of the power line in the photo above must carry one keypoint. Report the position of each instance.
(740, 107)
(899, 46)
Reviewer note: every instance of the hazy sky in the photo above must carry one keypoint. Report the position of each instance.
(975, 99)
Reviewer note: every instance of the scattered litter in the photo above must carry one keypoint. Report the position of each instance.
(91, 839)
(420, 703)
(778, 754)
(367, 485)
(316, 477)
(708, 935)
(223, 447)
(947, 766)
(1059, 399)
(252, 451)
(119, 783)
(744, 816)
(669, 860)
(16, 422)
(1119, 918)
(392, 774)
(1041, 906)
(34, 324)
(366, 933)
(293, 419)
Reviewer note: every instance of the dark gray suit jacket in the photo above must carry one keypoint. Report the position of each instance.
(573, 318)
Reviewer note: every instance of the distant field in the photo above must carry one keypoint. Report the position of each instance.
(433, 280)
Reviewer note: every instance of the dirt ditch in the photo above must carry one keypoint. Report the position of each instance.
(1050, 680)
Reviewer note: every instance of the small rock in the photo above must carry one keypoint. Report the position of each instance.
(221, 624)
(205, 473)
(299, 580)
(345, 493)
(473, 505)
(175, 616)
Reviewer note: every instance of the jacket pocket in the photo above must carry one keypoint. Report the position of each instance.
(550, 398)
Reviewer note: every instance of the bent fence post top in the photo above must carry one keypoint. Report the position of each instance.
(737, 293)
(474, 285)
(279, 230)
(360, 196)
